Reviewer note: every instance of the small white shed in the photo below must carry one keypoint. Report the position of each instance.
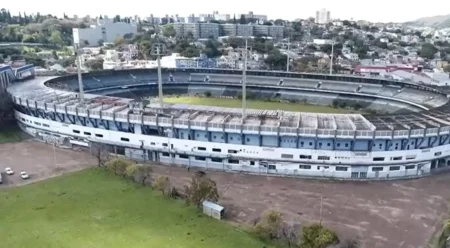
(213, 210)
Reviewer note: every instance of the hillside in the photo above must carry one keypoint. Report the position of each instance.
(441, 21)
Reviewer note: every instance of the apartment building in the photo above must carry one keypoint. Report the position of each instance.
(106, 30)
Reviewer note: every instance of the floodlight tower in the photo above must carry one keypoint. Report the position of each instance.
(287, 53)
(78, 52)
(158, 50)
(331, 57)
(244, 82)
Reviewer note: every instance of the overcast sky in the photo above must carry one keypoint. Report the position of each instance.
(374, 10)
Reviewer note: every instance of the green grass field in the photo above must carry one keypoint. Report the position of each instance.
(9, 134)
(93, 208)
(255, 104)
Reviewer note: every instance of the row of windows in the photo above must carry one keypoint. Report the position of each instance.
(410, 157)
(394, 168)
(89, 134)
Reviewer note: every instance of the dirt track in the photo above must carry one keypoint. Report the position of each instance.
(397, 214)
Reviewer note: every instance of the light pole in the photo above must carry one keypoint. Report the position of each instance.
(244, 83)
(331, 57)
(80, 78)
(158, 50)
(287, 53)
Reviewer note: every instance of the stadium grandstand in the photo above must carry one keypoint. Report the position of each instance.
(411, 140)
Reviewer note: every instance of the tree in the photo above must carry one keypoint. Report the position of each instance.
(139, 173)
(100, 152)
(55, 55)
(200, 189)
(119, 41)
(161, 183)
(6, 107)
(55, 38)
(317, 236)
(269, 225)
(211, 49)
(118, 166)
(169, 31)
(100, 42)
(428, 51)
(243, 20)
(95, 64)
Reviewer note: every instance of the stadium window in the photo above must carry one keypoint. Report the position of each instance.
(153, 143)
(341, 168)
(198, 135)
(329, 144)
(233, 161)
(76, 131)
(346, 144)
(165, 154)
(323, 158)
(183, 156)
(214, 137)
(272, 167)
(231, 138)
(216, 160)
(165, 144)
(87, 133)
(125, 139)
(216, 150)
(99, 135)
(338, 144)
(248, 139)
(232, 151)
(302, 143)
(437, 153)
(377, 168)
(396, 158)
(45, 125)
(304, 167)
(37, 123)
(252, 162)
(289, 156)
(305, 157)
(200, 158)
(410, 157)
(394, 168)
(201, 148)
(378, 159)
(410, 167)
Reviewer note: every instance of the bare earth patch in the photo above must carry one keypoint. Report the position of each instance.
(397, 214)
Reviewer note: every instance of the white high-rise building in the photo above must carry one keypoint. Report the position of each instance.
(323, 16)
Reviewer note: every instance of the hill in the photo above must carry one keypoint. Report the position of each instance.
(441, 21)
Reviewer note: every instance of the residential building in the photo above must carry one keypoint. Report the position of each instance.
(251, 15)
(220, 17)
(209, 30)
(192, 19)
(106, 30)
(323, 16)
(244, 30)
(228, 29)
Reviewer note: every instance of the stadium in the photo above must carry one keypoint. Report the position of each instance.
(409, 137)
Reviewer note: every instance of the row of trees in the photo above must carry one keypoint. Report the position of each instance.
(271, 227)
(201, 187)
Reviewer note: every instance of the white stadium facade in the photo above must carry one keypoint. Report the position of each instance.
(410, 139)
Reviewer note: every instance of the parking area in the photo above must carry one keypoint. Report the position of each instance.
(40, 161)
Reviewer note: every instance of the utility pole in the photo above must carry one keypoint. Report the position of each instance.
(80, 78)
(244, 79)
(331, 58)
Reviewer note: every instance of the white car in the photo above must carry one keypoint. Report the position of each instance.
(9, 171)
(24, 175)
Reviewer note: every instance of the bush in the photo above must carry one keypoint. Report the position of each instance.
(317, 236)
(208, 94)
(269, 225)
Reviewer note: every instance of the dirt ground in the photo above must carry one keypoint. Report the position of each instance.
(39, 160)
(397, 214)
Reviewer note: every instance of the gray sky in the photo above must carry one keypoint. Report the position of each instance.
(375, 10)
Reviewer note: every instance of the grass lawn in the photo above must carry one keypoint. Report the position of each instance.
(255, 104)
(9, 134)
(93, 208)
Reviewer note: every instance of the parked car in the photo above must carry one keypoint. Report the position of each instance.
(9, 171)
(24, 175)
